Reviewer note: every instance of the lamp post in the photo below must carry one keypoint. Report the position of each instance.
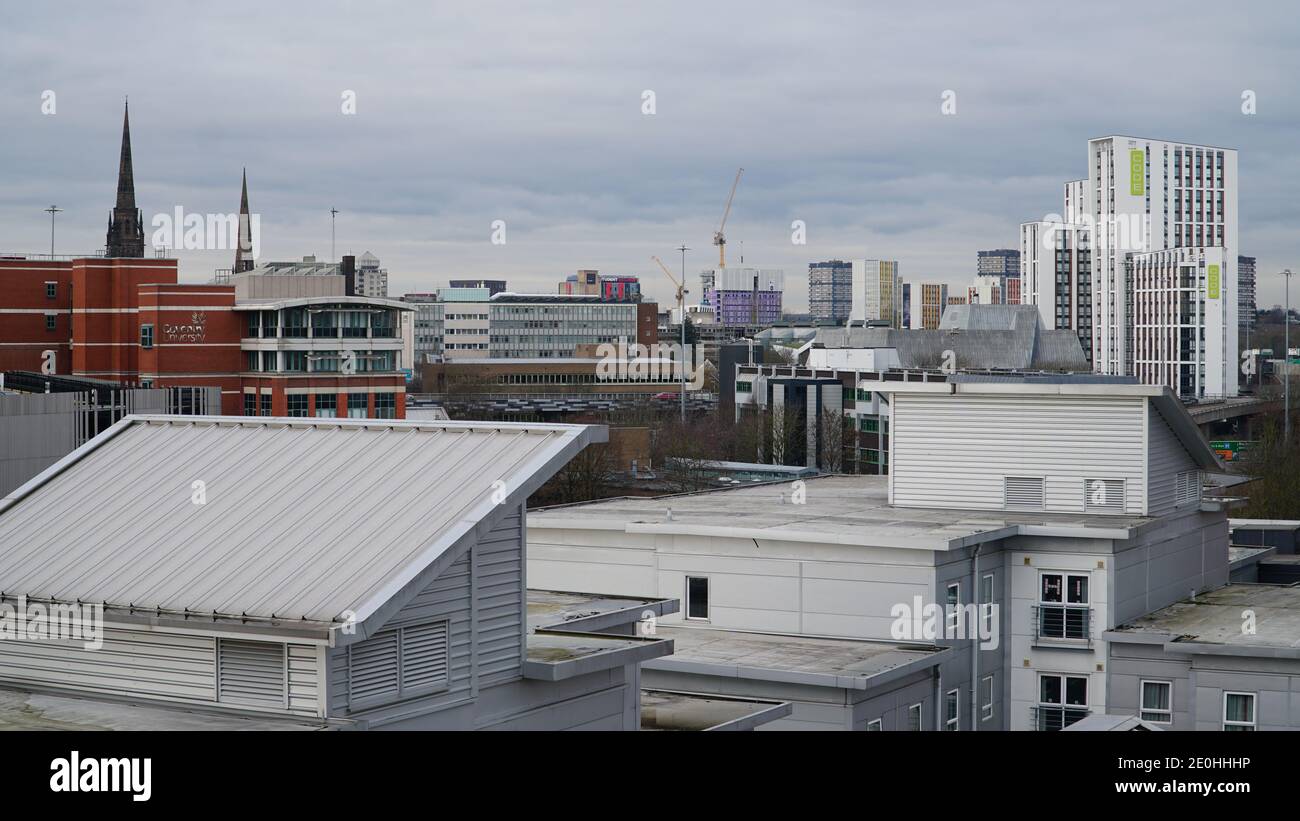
(1286, 360)
(334, 212)
(681, 307)
(52, 210)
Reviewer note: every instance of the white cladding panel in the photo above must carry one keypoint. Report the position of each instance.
(956, 451)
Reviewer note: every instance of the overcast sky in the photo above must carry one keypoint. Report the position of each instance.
(531, 113)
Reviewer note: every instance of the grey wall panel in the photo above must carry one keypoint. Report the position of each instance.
(142, 663)
(500, 601)
(446, 597)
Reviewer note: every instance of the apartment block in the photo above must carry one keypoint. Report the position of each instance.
(830, 289)
(877, 292)
(1056, 276)
(1147, 196)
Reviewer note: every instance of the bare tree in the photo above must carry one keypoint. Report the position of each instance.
(835, 432)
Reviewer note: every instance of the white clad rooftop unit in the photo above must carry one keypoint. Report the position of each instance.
(305, 521)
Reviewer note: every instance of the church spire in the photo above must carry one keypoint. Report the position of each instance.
(125, 232)
(245, 244)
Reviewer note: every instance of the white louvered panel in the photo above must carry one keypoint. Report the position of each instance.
(373, 668)
(1023, 493)
(1188, 487)
(251, 673)
(1103, 496)
(304, 681)
(424, 656)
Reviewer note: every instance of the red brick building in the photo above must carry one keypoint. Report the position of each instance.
(274, 345)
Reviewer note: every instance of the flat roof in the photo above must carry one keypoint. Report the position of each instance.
(1212, 622)
(590, 611)
(846, 663)
(306, 523)
(557, 655)
(30, 710)
(676, 711)
(846, 510)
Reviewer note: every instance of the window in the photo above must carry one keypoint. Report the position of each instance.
(146, 336)
(297, 404)
(358, 405)
(1022, 492)
(385, 406)
(266, 404)
(250, 404)
(295, 361)
(914, 718)
(697, 597)
(875, 725)
(1239, 712)
(952, 710)
(987, 604)
(1103, 495)
(326, 405)
(986, 698)
(1062, 700)
(1063, 611)
(51, 290)
(952, 610)
(50, 321)
(1156, 701)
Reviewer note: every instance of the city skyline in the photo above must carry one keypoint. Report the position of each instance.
(584, 179)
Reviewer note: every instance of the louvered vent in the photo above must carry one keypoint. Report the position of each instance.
(424, 657)
(1022, 493)
(1188, 487)
(372, 666)
(1103, 495)
(251, 673)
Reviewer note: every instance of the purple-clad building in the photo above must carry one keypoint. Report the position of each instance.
(744, 296)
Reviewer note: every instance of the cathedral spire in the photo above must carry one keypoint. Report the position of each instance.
(125, 232)
(244, 248)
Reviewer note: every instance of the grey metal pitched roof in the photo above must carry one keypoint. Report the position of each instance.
(304, 520)
(983, 337)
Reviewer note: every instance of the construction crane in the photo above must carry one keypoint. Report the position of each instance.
(719, 239)
(681, 318)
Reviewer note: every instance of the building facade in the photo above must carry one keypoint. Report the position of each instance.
(741, 297)
(371, 279)
(1246, 292)
(830, 290)
(1148, 196)
(924, 304)
(1056, 276)
(877, 292)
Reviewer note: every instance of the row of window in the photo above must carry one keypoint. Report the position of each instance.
(358, 405)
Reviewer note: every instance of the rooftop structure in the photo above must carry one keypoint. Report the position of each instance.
(321, 588)
(1002, 337)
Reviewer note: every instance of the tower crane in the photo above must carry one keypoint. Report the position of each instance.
(681, 318)
(719, 238)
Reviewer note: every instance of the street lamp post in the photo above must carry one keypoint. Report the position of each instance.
(681, 307)
(1286, 360)
(52, 210)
